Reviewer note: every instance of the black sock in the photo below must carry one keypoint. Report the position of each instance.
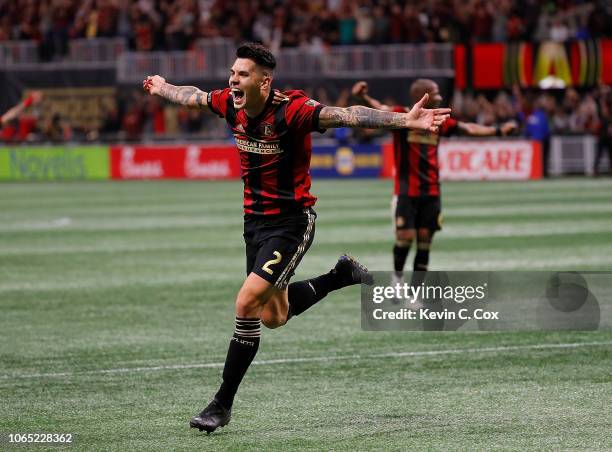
(420, 267)
(304, 294)
(400, 253)
(242, 349)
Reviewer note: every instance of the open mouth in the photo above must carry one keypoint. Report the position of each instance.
(238, 95)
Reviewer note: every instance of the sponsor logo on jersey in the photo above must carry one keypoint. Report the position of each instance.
(258, 147)
(267, 130)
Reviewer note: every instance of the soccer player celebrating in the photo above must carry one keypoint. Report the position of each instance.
(273, 139)
(16, 111)
(416, 203)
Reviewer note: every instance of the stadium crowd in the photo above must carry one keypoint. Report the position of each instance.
(176, 24)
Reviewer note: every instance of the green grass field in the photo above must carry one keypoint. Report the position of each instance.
(117, 307)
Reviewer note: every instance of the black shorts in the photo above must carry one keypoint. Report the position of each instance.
(276, 244)
(418, 212)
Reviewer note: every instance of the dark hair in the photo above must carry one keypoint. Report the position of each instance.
(258, 53)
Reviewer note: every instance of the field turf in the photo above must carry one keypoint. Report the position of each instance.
(117, 307)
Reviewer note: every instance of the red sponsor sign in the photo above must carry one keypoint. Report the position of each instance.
(175, 162)
(490, 160)
(482, 160)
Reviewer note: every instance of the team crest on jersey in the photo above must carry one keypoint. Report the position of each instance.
(311, 103)
(267, 130)
(400, 222)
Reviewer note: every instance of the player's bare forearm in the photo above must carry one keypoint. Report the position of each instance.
(479, 130)
(375, 103)
(476, 130)
(362, 117)
(360, 91)
(189, 96)
(13, 113)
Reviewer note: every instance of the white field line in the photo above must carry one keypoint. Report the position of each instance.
(354, 357)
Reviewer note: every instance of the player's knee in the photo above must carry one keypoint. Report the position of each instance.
(404, 237)
(424, 238)
(248, 303)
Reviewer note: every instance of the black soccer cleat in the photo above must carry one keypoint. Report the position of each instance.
(352, 272)
(211, 418)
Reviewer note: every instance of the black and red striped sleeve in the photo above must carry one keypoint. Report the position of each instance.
(217, 101)
(303, 113)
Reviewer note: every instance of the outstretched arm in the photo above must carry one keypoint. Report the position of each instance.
(478, 130)
(364, 117)
(360, 91)
(15, 111)
(188, 96)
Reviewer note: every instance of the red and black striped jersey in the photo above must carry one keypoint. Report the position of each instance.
(275, 150)
(416, 158)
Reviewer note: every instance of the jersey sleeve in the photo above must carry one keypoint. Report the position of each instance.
(217, 101)
(449, 127)
(303, 113)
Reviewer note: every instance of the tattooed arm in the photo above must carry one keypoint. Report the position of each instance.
(189, 96)
(364, 117)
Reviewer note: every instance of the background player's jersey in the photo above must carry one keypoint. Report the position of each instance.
(275, 150)
(416, 159)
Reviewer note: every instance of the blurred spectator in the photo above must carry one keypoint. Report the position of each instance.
(107, 15)
(380, 25)
(535, 118)
(482, 22)
(133, 121)
(346, 24)
(413, 28)
(604, 141)
(112, 122)
(364, 28)
(190, 121)
(56, 130)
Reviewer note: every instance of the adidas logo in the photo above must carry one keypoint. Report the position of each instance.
(239, 128)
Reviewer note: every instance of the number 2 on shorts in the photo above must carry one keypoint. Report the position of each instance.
(266, 266)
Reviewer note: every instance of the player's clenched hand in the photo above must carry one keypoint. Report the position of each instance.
(360, 89)
(508, 127)
(426, 118)
(153, 83)
(279, 97)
